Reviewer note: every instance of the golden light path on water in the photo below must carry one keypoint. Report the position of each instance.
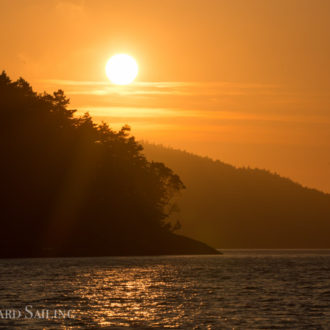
(242, 289)
(131, 297)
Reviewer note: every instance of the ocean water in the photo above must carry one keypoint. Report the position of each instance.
(241, 289)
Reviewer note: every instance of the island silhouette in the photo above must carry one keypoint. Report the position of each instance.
(71, 187)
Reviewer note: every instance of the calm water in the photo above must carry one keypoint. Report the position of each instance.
(243, 289)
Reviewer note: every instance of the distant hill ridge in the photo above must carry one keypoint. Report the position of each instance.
(231, 207)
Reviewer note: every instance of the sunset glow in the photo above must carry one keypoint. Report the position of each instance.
(166, 164)
(195, 68)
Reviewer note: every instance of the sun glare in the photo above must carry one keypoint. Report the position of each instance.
(121, 69)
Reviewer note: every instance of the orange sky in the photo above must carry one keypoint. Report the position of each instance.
(247, 82)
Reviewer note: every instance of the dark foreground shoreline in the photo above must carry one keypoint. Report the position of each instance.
(169, 244)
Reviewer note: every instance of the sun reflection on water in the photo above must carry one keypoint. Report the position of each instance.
(208, 292)
(127, 297)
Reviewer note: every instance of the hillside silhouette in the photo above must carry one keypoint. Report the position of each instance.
(231, 207)
(71, 187)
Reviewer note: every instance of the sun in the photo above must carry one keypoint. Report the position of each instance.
(121, 69)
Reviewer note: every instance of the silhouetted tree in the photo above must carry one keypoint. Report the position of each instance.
(68, 182)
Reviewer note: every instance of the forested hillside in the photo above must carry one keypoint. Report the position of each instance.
(232, 207)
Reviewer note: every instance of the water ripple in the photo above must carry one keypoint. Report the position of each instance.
(238, 290)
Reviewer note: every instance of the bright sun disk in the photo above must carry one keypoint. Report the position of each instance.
(121, 69)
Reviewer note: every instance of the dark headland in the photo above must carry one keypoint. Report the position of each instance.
(162, 244)
(71, 187)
